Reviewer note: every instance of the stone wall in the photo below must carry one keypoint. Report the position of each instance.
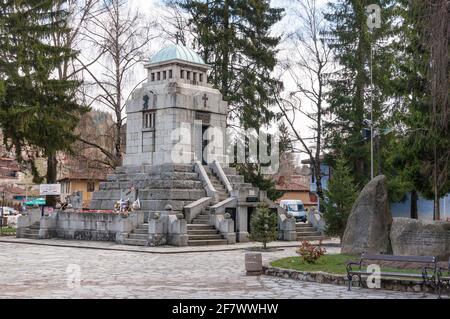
(326, 278)
(421, 238)
(89, 226)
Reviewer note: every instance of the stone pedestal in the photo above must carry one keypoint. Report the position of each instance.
(253, 264)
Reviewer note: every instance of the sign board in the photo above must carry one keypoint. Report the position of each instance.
(50, 189)
(205, 117)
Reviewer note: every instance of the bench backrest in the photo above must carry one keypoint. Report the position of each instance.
(415, 259)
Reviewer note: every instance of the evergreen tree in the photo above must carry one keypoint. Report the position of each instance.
(286, 146)
(349, 98)
(340, 196)
(264, 225)
(421, 153)
(38, 111)
(233, 36)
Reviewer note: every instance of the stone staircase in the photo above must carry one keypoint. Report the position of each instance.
(32, 232)
(220, 188)
(203, 234)
(306, 231)
(200, 232)
(138, 237)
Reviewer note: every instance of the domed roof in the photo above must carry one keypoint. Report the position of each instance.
(176, 52)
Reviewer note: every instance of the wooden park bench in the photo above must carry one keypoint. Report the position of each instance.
(428, 276)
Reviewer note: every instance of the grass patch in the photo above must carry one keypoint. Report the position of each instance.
(8, 231)
(333, 264)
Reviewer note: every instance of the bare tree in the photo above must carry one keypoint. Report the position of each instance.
(121, 35)
(308, 66)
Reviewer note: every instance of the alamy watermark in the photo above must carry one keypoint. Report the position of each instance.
(374, 16)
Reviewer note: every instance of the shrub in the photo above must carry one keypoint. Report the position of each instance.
(310, 253)
(264, 225)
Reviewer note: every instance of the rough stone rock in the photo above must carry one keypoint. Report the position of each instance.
(369, 223)
(412, 237)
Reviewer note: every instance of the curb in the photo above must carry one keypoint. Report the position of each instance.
(64, 245)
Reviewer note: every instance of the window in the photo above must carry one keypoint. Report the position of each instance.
(195, 76)
(164, 75)
(188, 76)
(170, 74)
(90, 186)
(201, 77)
(159, 76)
(153, 76)
(149, 119)
(182, 74)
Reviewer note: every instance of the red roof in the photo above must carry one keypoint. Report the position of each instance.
(294, 183)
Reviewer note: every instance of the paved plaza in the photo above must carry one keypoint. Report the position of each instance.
(32, 271)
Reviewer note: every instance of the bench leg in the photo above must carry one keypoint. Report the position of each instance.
(350, 283)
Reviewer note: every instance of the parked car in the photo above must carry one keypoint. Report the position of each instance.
(8, 211)
(295, 208)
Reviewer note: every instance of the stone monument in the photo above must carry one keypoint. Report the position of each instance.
(370, 220)
(412, 237)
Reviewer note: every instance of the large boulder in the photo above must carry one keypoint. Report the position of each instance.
(412, 237)
(370, 221)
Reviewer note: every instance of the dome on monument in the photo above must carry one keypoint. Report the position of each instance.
(176, 52)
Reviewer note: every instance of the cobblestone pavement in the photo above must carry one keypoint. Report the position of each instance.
(30, 271)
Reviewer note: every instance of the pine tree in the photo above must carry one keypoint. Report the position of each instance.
(38, 111)
(233, 36)
(422, 150)
(340, 196)
(264, 225)
(349, 98)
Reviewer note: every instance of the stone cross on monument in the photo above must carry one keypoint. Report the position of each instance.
(205, 100)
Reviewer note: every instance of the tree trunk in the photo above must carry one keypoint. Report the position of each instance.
(52, 165)
(414, 198)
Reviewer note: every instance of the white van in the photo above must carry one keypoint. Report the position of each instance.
(295, 208)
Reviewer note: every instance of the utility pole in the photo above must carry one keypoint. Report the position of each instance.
(371, 113)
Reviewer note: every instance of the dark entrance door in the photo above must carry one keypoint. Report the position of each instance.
(250, 211)
(204, 144)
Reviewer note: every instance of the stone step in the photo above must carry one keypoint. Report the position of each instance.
(138, 236)
(140, 231)
(135, 242)
(204, 217)
(308, 233)
(203, 232)
(30, 236)
(204, 237)
(311, 238)
(31, 231)
(207, 242)
(201, 221)
(142, 226)
(199, 227)
(298, 225)
(229, 170)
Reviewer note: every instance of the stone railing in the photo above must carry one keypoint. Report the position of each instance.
(166, 228)
(220, 207)
(217, 169)
(286, 228)
(225, 225)
(316, 220)
(196, 208)
(209, 187)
